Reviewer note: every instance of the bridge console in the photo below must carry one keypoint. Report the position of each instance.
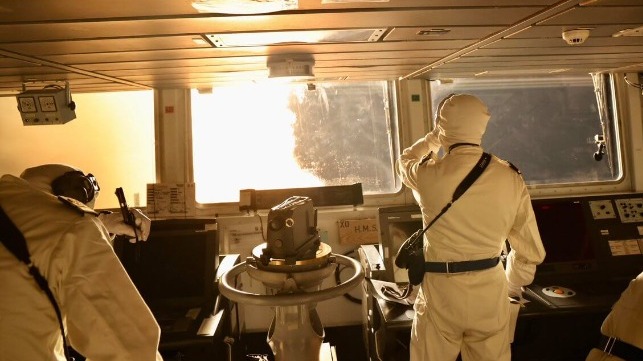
(594, 248)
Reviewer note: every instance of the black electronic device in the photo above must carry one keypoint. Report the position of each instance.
(128, 217)
(593, 249)
(590, 238)
(292, 231)
(571, 254)
(396, 224)
(126, 213)
(174, 270)
(563, 230)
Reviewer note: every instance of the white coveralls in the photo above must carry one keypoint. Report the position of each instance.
(468, 313)
(625, 321)
(105, 317)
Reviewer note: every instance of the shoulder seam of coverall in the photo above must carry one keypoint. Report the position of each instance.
(508, 164)
(77, 206)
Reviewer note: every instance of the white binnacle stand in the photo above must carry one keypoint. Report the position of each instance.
(296, 332)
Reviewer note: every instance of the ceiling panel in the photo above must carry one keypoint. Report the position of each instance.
(144, 44)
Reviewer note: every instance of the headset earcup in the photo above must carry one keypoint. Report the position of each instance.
(73, 185)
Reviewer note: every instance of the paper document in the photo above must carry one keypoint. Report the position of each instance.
(386, 290)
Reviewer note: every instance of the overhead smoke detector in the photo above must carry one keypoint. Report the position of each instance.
(576, 36)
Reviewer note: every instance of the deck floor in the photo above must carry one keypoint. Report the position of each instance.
(347, 340)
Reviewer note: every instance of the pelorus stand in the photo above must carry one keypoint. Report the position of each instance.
(296, 332)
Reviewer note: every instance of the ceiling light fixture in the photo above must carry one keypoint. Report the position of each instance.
(629, 32)
(244, 6)
(230, 40)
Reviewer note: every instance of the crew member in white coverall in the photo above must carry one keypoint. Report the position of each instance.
(104, 316)
(622, 330)
(468, 313)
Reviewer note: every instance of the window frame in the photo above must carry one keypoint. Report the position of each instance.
(623, 184)
(393, 126)
(414, 121)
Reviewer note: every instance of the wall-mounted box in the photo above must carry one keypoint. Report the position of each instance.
(46, 106)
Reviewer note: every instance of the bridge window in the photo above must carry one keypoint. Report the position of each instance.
(295, 135)
(548, 127)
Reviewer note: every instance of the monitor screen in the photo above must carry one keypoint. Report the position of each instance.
(563, 230)
(396, 224)
(175, 266)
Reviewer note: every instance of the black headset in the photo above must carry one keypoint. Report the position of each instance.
(77, 185)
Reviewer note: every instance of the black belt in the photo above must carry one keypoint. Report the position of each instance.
(618, 348)
(463, 266)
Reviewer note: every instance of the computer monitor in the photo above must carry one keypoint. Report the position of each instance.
(563, 230)
(176, 266)
(396, 224)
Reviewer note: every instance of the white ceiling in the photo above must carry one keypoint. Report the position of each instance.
(145, 44)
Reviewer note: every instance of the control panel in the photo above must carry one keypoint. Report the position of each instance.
(46, 106)
(602, 209)
(619, 223)
(630, 209)
(590, 238)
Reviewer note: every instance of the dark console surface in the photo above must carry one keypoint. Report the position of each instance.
(594, 248)
(174, 270)
(594, 239)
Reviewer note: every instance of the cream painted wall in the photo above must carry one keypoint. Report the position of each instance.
(111, 137)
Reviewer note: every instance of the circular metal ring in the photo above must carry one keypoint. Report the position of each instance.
(289, 299)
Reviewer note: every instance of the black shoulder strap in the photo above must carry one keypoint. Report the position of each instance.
(475, 172)
(15, 242)
(483, 162)
(13, 239)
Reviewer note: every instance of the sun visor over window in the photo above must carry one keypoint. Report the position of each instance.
(321, 196)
